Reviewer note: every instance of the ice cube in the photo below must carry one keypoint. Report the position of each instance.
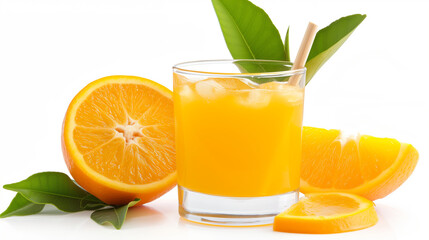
(256, 98)
(289, 92)
(185, 91)
(179, 79)
(209, 89)
(296, 95)
(292, 93)
(234, 83)
(274, 85)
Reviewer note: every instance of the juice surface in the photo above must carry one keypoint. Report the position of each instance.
(237, 140)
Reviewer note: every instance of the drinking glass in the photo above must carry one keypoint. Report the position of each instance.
(238, 139)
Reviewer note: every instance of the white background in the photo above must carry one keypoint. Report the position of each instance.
(377, 84)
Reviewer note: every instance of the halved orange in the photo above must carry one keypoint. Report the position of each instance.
(327, 213)
(118, 139)
(368, 166)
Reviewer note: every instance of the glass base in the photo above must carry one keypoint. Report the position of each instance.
(233, 211)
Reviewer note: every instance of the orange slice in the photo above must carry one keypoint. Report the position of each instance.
(368, 166)
(118, 139)
(327, 213)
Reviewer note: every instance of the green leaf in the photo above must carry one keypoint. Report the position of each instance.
(287, 54)
(55, 188)
(20, 206)
(90, 202)
(114, 215)
(248, 31)
(328, 40)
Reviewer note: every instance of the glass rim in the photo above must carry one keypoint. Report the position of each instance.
(181, 68)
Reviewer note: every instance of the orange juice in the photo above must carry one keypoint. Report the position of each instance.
(238, 139)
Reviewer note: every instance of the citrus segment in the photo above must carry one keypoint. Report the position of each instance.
(118, 139)
(368, 166)
(87, 139)
(379, 155)
(327, 213)
(102, 108)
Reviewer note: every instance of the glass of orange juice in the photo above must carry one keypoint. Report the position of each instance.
(238, 139)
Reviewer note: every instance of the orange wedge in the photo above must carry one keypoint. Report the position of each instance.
(327, 213)
(368, 166)
(118, 139)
